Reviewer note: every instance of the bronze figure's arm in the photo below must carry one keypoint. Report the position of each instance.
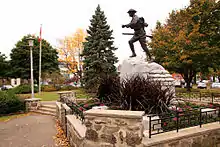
(132, 23)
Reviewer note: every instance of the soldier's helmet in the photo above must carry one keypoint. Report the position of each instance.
(132, 10)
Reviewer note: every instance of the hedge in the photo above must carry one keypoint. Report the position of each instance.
(9, 103)
(23, 89)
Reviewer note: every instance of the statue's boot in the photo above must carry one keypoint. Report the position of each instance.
(133, 52)
(133, 55)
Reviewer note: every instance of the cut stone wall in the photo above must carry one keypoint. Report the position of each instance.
(75, 131)
(73, 128)
(117, 128)
(58, 111)
(32, 104)
(65, 110)
(113, 128)
(207, 136)
(66, 96)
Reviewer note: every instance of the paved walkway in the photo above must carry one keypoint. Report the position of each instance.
(35, 130)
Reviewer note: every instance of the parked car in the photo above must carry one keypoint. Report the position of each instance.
(178, 83)
(215, 85)
(197, 82)
(205, 81)
(186, 84)
(44, 83)
(201, 85)
(6, 87)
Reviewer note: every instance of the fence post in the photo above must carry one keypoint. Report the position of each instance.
(200, 117)
(149, 126)
(219, 114)
(65, 123)
(200, 96)
(212, 95)
(177, 121)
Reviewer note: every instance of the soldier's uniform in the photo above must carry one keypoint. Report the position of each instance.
(139, 34)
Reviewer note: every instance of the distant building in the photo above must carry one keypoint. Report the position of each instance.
(64, 70)
(15, 82)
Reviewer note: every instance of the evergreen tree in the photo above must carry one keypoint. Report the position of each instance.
(99, 58)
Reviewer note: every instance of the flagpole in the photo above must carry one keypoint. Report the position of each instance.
(40, 62)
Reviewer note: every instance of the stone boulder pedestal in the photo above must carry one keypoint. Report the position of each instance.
(138, 66)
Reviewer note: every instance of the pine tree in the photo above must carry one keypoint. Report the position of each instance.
(99, 58)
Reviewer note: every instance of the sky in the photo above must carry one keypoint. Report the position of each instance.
(60, 18)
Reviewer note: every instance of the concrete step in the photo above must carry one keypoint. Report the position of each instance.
(49, 106)
(48, 102)
(44, 112)
(47, 109)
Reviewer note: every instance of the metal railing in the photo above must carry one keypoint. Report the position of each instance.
(184, 119)
(199, 96)
(77, 110)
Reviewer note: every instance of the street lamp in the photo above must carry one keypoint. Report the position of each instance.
(31, 44)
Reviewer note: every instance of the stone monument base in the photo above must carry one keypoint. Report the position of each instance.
(138, 66)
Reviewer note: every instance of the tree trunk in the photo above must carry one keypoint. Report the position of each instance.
(188, 76)
(194, 79)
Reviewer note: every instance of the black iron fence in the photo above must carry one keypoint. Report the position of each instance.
(78, 109)
(199, 96)
(182, 119)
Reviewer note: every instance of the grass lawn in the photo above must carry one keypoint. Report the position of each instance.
(53, 96)
(45, 96)
(9, 117)
(217, 90)
(81, 93)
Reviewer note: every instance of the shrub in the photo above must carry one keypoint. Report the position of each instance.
(88, 104)
(48, 88)
(68, 87)
(135, 93)
(23, 96)
(23, 89)
(9, 103)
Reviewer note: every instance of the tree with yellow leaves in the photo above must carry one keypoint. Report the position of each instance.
(70, 50)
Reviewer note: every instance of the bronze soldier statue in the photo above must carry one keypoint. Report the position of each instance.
(138, 25)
